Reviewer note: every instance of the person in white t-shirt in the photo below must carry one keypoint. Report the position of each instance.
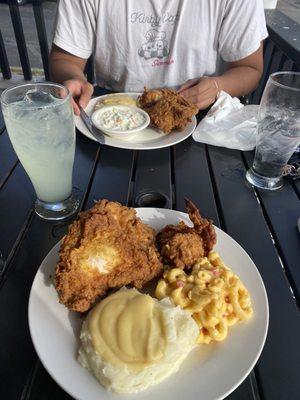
(197, 46)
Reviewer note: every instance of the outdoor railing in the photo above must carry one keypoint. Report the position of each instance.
(281, 50)
(21, 43)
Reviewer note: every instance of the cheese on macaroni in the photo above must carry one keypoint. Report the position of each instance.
(214, 295)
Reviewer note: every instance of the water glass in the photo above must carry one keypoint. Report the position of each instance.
(278, 134)
(40, 123)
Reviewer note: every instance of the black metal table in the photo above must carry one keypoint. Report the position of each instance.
(265, 224)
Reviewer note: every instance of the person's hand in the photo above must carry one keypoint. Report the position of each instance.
(81, 92)
(201, 91)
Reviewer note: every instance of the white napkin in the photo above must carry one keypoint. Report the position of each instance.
(229, 124)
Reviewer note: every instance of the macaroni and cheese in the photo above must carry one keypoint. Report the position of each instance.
(214, 295)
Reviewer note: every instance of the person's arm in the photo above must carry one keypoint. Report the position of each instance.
(68, 70)
(241, 78)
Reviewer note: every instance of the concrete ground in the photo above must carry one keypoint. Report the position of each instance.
(289, 7)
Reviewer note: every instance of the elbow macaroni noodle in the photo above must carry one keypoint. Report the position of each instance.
(214, 295)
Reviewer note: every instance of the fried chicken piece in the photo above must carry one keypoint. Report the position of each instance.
(181, 246)
(150, 97)
(107, 247)
(167, 109)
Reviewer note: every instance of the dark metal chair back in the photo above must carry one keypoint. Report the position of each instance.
(21, 43)
(280, 51)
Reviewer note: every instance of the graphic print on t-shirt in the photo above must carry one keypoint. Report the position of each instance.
(155, 46)
(156, 43)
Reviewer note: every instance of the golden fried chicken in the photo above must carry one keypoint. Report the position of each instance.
(150, 97)
(181, 246)
(167, 109)
(107, 247)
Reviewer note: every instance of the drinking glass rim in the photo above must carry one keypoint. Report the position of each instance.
(281, 84)
(46, 83)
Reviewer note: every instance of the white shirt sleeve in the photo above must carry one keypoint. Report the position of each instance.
(75, 27)
(242, 29)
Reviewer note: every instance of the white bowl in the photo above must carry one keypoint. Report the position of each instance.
(117, 133)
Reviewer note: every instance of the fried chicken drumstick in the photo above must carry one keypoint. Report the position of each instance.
(167, 109)
(107, 247)
(180, 245)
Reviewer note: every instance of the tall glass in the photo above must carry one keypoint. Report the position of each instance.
(278, 133)
(40, 123)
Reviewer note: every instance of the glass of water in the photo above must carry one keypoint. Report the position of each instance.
(40, 124)
(278, 134)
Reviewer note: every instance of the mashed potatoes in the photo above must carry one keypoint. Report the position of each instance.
(131, 341)
(115, 100)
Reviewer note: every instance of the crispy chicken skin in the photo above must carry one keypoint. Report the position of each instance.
(107, 247)
(150, 97)
(180, 245)
(167, 109)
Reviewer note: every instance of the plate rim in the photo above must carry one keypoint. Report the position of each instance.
(181, 215)
(112, 142)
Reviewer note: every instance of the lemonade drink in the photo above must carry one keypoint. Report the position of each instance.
(42, 131)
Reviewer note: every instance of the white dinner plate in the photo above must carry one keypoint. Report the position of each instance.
(210, 372)
(148, 139)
